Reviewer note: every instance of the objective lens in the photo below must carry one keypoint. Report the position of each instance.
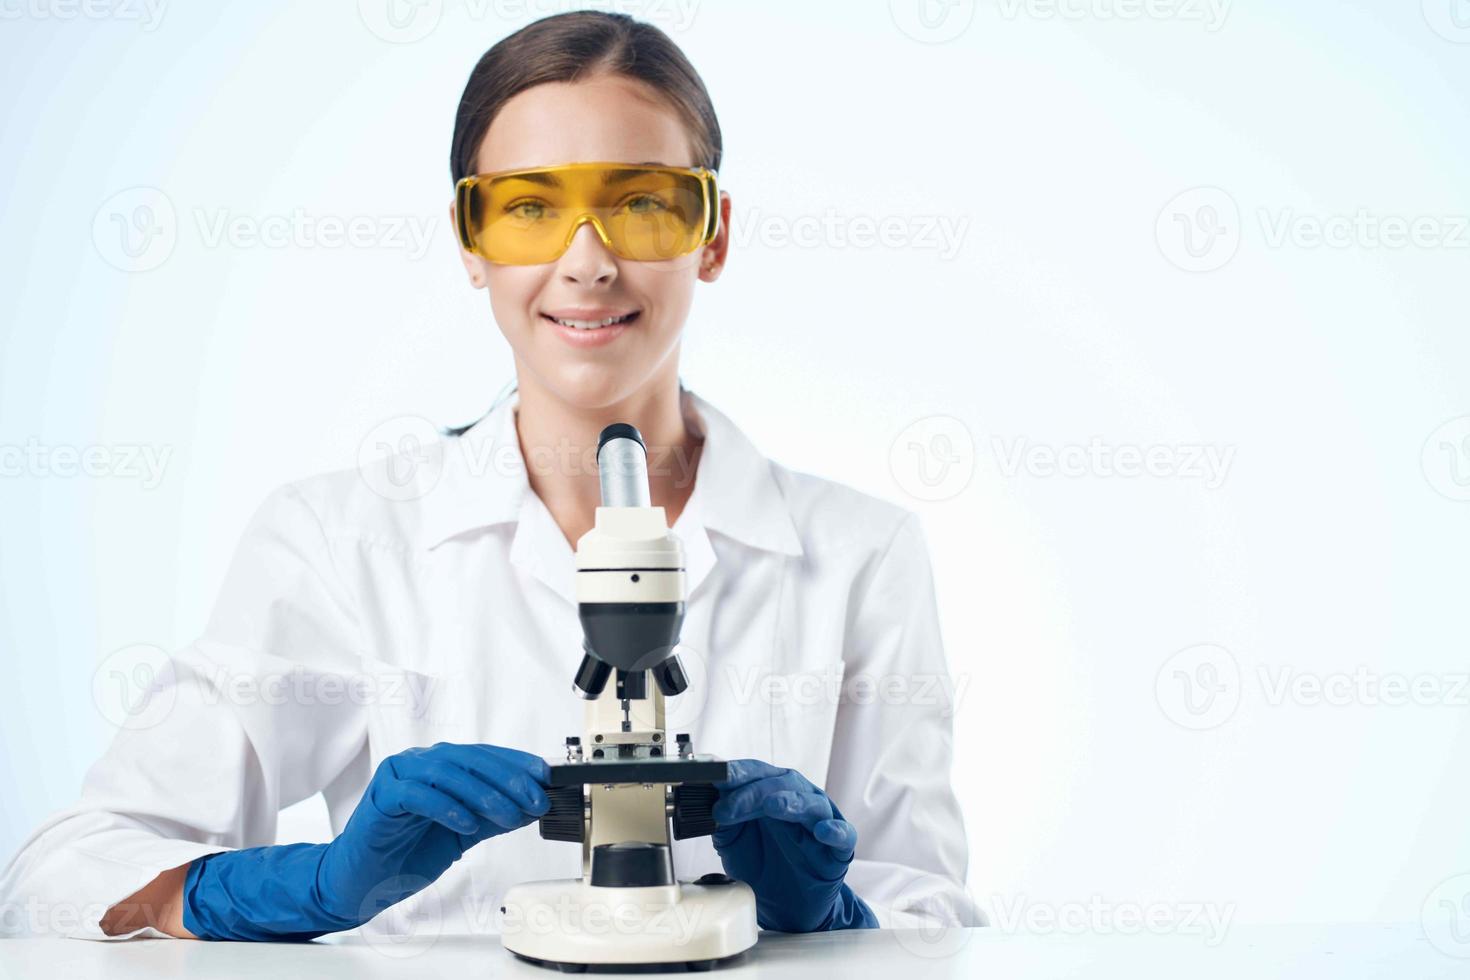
(592, 675)
(670, 677)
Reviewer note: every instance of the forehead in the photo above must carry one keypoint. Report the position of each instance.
(607, 117)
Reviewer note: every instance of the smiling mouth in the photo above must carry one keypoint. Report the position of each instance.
(611, 321)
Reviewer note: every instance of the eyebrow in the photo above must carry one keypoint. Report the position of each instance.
(618, 176)
(535, 177)
(611, 177)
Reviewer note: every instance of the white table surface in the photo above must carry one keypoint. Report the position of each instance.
(1247, 953)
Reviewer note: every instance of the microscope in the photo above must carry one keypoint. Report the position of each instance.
(624, 793)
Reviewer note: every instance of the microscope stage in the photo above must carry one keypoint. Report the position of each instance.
(640, 771)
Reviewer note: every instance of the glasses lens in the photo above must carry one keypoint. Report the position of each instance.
(654, 215)
(519, 219)
(529, 217)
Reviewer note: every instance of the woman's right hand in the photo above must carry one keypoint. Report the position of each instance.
(420, 812)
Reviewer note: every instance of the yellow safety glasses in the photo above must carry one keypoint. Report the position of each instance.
(644, 213)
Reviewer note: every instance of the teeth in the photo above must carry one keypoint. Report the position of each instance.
(591, 324)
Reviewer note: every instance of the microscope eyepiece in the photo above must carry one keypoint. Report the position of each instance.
(619, 430)
(622, 466)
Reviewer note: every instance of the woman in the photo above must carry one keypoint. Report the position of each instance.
(401, 642)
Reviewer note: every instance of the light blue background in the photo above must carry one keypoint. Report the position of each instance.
(1335, 541)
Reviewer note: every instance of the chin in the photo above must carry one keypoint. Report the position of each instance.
(594, 386)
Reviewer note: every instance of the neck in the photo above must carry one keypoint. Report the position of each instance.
(559, 444)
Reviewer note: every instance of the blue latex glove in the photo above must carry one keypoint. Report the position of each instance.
(421, 811)
(783, 837)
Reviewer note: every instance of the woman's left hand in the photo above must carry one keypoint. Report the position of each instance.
(784, 837)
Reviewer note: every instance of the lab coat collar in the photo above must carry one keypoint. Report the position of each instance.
(484, 483)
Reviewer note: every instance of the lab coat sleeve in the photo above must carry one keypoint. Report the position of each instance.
(256, 714)
(893, 746)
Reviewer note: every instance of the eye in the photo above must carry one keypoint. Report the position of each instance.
(645, 204)
(527, 210)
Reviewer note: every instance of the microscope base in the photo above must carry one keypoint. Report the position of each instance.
(571, 925)
(693, 966)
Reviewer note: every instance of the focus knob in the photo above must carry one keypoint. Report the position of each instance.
(563, 820)
(694, 805)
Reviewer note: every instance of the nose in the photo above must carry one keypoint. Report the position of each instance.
(587, 261)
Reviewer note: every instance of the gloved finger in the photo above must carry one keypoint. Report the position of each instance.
(482, 754)
(798, 849)
(518, 775)
(518, 785)
(508, 814)
(745, 802)
(837, 834)
(743, 771)
(811, 847)
(534, 765)
(480, 797)
(805, 809)
(402, 797)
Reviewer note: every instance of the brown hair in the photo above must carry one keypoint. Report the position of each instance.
(572, 46)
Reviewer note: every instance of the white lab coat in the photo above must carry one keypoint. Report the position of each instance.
(367, 611)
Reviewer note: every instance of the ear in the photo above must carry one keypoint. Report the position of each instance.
(712, 261)
(474, 266)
